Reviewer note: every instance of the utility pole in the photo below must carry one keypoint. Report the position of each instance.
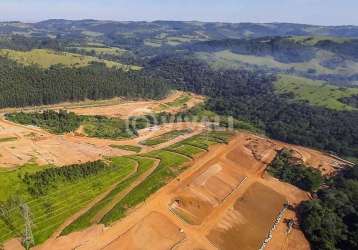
(28, 238)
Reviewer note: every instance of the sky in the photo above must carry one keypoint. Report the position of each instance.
(321, 12)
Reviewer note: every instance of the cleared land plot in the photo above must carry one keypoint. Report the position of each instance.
(205, 191)
(62, 200)
(155, 231)
(132, 148)
(187, 150)
(122, 108)
(252, 153)
(317, 93)
(46, 58)
(171, 164)
(247, 224)
(165, 137)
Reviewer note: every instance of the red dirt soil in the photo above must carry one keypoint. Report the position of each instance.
(256, 200)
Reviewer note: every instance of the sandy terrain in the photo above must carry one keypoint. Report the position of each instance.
(228, 211)
(250, 218)
(154, 230)
(117, 107)
(35, 144)
(127, 109)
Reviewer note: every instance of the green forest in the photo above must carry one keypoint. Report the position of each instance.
(250, 96)
(30, 85)
(292, 170)
(331, 221)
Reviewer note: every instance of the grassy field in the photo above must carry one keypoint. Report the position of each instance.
(165, 137)
(86, 219)
(62, 200)
(45, 58)
(313, 40)
(171, 164)
(317, 93)
(132, 148)
(185, 149)
(177, 103)
(107, 128)
(200, 143)
(226, 59)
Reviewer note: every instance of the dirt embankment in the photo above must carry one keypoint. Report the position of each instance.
(118, 107)
(224, 201)
(36, 145)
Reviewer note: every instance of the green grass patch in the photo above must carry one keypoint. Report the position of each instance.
(107, 128)
(132, 148)
(179, 102)
(185, 149)
(204, 140)
(7, 139)
(165, 137)
(62, 199)
(171, 164)
(46, 58)
(317, 93)
(85, 220)
(227, 59)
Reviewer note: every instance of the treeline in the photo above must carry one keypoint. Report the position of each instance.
(290, 169)
(351, 100)
(331, 221)
(65, 122)
(24, 43)
(250, 96)
(283, 49)
(40, 182)
(55, 122)
(30, 85)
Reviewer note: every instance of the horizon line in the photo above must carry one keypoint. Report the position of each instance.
(168, 20)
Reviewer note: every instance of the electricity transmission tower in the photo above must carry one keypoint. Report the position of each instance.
(28, 238)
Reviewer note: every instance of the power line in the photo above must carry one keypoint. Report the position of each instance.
(28, 238)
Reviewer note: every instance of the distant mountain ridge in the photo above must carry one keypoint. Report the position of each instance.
(210, 30)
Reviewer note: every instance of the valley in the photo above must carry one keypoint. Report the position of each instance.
(178, 135)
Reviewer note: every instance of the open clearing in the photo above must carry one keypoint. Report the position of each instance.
(122, 108)
(226, 59)
(22, 144)
(318, 93)
(251, 218)
(126, 109)
(46, 58)
(243, 206)
(38, 146)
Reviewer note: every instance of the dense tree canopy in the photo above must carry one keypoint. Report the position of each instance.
(30, 85)
(290, 169)
(250, 96)
(331, 221)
